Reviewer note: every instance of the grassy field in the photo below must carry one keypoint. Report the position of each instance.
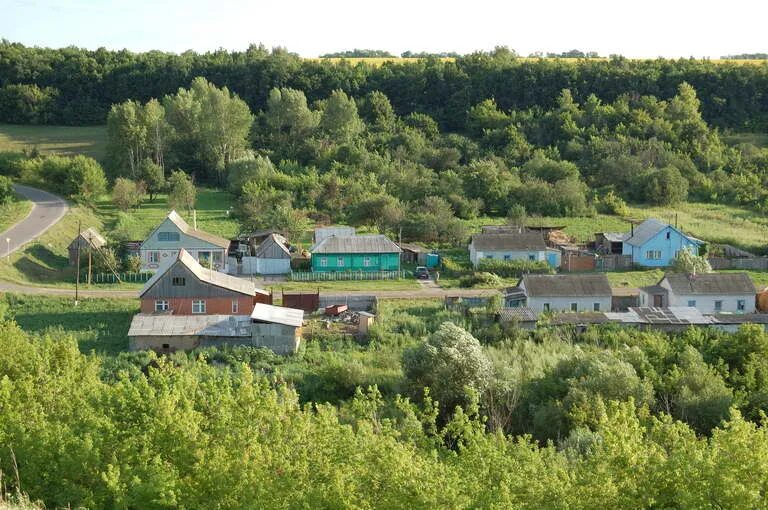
(70, 140)
(99, 325)
(13, 212)
(377, 61)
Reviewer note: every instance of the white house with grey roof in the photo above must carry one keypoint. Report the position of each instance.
(565, 292)
(653, 243)
(507, 245)
(710, 293)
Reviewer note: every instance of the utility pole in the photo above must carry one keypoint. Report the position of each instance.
(90, 262)
(77, 274)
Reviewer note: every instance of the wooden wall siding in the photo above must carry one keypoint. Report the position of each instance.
(213, 306)
(354, 262)
(165, 289)
(273, 251)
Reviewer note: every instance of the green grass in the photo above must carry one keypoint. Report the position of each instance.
(212, 206)
(99, 325)
(756, 139)
(13, 212)
(68, 140)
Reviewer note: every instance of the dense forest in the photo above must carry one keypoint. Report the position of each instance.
(76, 86)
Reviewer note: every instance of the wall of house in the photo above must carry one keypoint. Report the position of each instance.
(356, 262)
(213, 305)
(669, 241)
(279, 338)
(157, 343)
(706, 303)
(563, 304)
(170, 249)
(475, 256)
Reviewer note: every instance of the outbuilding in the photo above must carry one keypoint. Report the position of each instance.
(88, 239)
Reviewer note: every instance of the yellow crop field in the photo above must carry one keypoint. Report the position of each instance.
(378, 61)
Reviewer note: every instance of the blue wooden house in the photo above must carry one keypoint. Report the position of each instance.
(653, 243)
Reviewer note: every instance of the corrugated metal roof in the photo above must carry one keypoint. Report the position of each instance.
(518, 314)
(615, 237)
(278, 315)
(645, 231)
(190, 325)
(566, 285)
(197, 234)
(509, 241)
(206, 275)
(710, 283)
(356, 244)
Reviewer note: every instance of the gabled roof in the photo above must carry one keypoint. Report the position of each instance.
(91, 237)
(206, 275)
(271, 241)
(509, 241)
(278, 315)
(183, 226)
(566, 285)
(710, 283)
(356, 244)
(649, 228)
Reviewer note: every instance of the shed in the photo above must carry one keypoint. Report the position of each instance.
(169, 333)
(272, 256)
(413, 254)
(276, 327)
(610, 243)
(88, 239)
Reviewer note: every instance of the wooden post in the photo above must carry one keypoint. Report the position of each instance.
(77, 277)
(90, 265)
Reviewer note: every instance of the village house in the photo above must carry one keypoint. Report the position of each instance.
(656, 244)
(269, 257)
(88, 240)
(173, 234)
(355, 253)
(709, 293)
(273, 327)
(184, 287)
(511, 245)
(562, 292)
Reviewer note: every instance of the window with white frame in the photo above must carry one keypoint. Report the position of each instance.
(161, 305)
(574, 307)
(168, 236)
(741, 305)
(198, 306)
(235, 306)
(718, 305)
(653, 254)
(692, 303)
(366, 261)
(340, 261)
(323, 261)
(153, 257)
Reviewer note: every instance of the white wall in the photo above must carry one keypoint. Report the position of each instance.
(563, 304)
(706, 303)
(475, 256)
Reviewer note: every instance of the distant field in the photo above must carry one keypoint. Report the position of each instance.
(71, 140)
(377, 61)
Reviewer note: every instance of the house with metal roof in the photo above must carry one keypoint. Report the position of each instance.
(162, 246)
(653, 243)
(511, 245)
(184, 287)
(710, 293)
(563, 293)
(355, 253)
(271, 256)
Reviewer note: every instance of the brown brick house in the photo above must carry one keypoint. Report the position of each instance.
(187, 288)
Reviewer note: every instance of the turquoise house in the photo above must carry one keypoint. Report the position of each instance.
(656, 244)
(355, 253)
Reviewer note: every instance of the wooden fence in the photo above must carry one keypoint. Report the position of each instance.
(110, 277)
(301, 276)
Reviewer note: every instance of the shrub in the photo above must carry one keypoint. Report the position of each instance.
(6, 189)
(514, 268)
(132, 264)
(612, 203)
(480, 279)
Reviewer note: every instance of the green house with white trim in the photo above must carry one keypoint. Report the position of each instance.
(355, 253)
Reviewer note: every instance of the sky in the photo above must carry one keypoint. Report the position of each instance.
(637, 29)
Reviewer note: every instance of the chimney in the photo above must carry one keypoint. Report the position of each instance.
(194, 219)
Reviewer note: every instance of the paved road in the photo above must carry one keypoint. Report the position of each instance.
(47, 210)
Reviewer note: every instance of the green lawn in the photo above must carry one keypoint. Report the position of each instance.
(69, 140)
(99, 325)
(13, 212)
(756, 139)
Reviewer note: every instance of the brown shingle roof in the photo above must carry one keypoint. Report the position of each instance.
(509, 241)
(566, 285)
(710, 283)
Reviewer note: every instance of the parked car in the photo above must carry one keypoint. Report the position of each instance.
(421, 273)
